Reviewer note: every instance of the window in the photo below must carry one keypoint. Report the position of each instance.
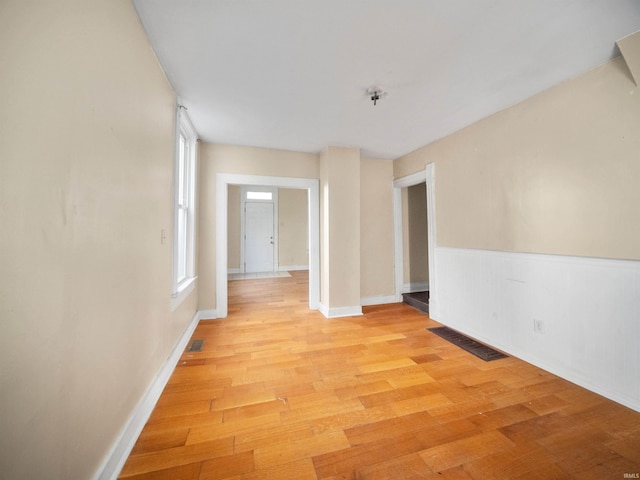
(259, 195)
(184, 210)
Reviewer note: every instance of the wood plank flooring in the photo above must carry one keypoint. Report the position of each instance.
(280, 392)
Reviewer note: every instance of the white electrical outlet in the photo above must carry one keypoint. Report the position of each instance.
(538, 326)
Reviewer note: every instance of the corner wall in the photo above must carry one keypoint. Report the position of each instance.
(293, 230)
(231, 159)
(234, 228)
(340, 232)
(87, 153)
(376, 232)
(415, 239)
(375, 213)
(555, 176)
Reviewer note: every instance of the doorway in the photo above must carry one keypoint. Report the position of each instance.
(401, 229)
(259, 233)
(415, 240)
(258, 237)
(223, 181)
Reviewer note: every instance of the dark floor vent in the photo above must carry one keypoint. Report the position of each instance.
(195, 346)
(476, 348)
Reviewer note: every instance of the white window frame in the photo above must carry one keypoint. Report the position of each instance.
(184, 205)
(255, 196)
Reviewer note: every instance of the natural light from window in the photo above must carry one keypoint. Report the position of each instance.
(259, 196)
(184, 210)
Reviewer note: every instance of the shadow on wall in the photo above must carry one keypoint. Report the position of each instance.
(416, 256)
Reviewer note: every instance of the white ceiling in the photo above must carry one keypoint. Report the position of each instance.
(293, 74)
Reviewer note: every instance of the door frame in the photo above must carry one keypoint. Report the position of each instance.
(311, 185)
(428, 177)
(243, 201)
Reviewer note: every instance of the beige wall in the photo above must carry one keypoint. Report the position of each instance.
(86, 152)
(376, 228)
(415, 241)
(214, 159)
(373, 203)
(259, 161)
(233, 226)
(629, 46)
(293, 228)
(340, 227)
(558, 173)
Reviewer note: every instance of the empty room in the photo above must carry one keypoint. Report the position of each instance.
(364, 239)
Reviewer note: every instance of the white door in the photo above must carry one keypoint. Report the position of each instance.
(258, 231)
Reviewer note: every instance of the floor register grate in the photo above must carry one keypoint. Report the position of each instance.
(476, 348)
(195, 346)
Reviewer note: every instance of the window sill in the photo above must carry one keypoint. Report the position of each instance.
(184, 289)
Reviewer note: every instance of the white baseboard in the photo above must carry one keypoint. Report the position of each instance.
(378, 300)
(207, 315)
(233, 270)
(340, 311)
(415, 287)
(115, 460)
(291, 268)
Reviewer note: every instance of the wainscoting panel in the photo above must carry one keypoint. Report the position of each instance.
(576, 317)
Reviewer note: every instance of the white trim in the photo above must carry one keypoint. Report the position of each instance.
(587, 305)
(410, 180)
(378, 300)
(415, 287)
(207, 315)
(117, 456)
(233, 270)
(183, 292)
(338, 312)
(427, 176)
(432, 240)
(398, 251)
(184, 127)
(292, 268)
(223, 180)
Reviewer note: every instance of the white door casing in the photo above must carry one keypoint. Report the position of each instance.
(223, 180)
(428, 176)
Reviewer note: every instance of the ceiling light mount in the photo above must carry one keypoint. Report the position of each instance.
(376, 93)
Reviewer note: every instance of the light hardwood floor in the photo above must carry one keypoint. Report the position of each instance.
(280, 392)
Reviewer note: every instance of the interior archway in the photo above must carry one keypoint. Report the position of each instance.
(223, 180)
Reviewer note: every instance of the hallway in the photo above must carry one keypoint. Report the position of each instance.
(280, 392)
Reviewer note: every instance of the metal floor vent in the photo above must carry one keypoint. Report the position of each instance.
(476, 348)
(195, 346)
